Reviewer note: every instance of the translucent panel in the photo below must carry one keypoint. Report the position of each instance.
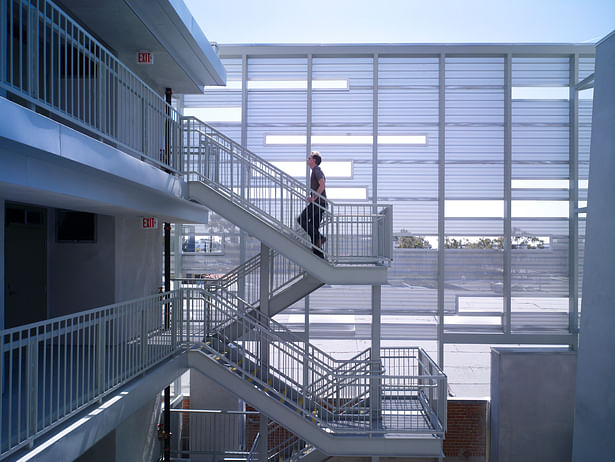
(474, 180)
(546, 113)
(407, 180)
(220, 97)
(539, 143)
(334, 169)
(276, 111)
(474, 71)
(539, 283)
(416, 217)
(345, 112)
(476, 273)
(466, 143)
(537, 71)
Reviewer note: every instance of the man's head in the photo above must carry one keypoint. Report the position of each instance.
(314, 159)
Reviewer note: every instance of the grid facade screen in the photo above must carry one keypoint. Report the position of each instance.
(486, 165)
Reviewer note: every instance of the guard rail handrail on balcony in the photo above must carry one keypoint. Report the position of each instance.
(357, 232)
(48, 59)
(324, 389)
(51, 370)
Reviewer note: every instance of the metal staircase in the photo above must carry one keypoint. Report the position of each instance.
(260, 198)
(395, 406)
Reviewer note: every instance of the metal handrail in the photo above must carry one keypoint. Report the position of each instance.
(49, 60)
(357, 232)
(282, 273)
(65, 364)
(335, 396)
(50, 370)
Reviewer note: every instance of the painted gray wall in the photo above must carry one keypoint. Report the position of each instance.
(2, 263)
(124, 263)
(136, 439)
(532, 404)
(81, 275)
(206, 394)
(595, 400)
(138, 259)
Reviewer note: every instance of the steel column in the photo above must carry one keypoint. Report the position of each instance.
(243, 235)
(375, 392)
(507, 284)
(441, 192)
(573, 200)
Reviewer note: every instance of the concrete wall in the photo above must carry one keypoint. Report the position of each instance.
(206, 394)
(124, 263)
(2, 263)
(81, 275)
(595, 401)
(532, 404)
(138, 259)
(134, 440)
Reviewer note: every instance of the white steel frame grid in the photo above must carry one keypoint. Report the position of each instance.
(507, 52)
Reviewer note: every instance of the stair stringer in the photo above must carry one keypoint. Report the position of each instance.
(393, 445)
(292, 294)
(286, 244)
(279, 302)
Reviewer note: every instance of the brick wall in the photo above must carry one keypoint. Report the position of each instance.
(466, 436)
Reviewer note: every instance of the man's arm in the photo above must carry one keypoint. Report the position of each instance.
(321, 186)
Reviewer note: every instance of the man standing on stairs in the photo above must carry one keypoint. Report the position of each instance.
(311, 216)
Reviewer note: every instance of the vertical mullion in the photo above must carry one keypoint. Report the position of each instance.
(573, 200)
(243, 235)
(373, 222)
(441, 198)
(507, 284)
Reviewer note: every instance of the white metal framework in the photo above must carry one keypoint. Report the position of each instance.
(489, 219)
(51, 370)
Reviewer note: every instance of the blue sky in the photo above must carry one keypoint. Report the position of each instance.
(404, 21)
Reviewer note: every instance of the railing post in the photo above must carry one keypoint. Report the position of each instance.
(33, 53)
(143, 127)
(375, 392)
(4, 57)
(32, 380)
(442, 401)
(173, 302)
(100, 355)
(143, 337)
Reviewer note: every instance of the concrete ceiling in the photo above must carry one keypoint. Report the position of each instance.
(184, 60)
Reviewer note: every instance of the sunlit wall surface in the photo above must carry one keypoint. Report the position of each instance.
(483, 150)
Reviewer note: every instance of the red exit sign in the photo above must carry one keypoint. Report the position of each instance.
(145, 57)
(149, 223)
